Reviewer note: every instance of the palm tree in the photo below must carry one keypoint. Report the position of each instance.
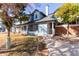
(7, 19)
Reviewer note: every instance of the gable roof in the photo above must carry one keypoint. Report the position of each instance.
(32, 16)
(50, 17)
(38, 11)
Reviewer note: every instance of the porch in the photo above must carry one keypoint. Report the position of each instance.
(41, 29)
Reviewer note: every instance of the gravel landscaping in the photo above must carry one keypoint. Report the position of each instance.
(59, 47)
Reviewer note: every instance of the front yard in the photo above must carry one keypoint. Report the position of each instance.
(33, 46)
(23, 45)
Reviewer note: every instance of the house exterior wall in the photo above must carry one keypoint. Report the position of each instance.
(42, 29)
(46, 28)
(62, 30)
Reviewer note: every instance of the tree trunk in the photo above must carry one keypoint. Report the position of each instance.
(68, 30)
(8, 41)
(20, 27)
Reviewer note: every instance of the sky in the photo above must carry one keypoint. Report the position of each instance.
(41, 7)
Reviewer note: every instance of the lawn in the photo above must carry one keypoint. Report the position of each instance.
(23, 45)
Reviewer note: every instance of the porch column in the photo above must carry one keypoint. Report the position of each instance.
(49, 25)
(53, 28)
(26, 29)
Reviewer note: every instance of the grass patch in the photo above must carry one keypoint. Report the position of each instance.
(29, 43)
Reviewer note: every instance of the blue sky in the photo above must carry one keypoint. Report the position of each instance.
(41, 7)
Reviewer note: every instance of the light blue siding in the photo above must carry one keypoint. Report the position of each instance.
(42, 29)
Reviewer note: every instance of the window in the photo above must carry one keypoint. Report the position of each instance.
(35, 16)
(33, 27)
(24, 28)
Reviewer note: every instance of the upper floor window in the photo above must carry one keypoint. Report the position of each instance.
(36, 16)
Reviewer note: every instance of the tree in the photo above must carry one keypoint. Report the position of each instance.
(69, 13)
(22, 18)
(7, 20)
